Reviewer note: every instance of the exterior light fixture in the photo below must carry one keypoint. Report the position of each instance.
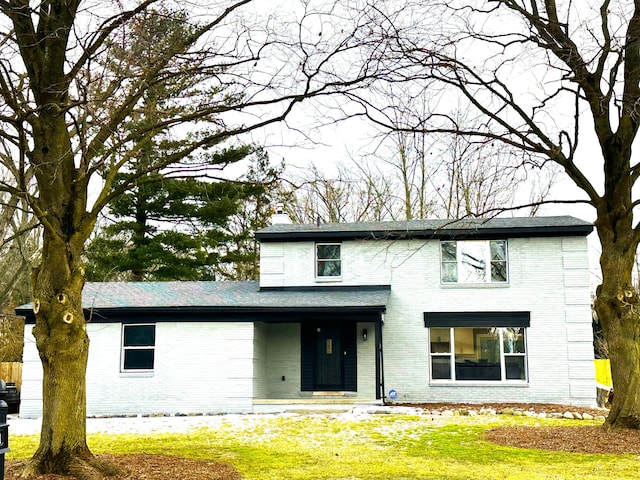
(365, 334)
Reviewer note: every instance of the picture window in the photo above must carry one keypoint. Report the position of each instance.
(478, 353)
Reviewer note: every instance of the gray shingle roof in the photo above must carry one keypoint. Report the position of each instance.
(498, 226)
(226, 295)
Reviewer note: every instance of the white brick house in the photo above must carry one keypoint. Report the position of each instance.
(421, 311)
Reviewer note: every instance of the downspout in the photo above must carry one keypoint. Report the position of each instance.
(380, 360)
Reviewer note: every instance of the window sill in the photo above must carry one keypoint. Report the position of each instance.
(328, 279)
(474, 285)
(480, 383)
(140, 374)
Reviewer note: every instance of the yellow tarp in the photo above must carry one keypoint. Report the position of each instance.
(603, 373)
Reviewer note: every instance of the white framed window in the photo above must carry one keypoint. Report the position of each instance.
(474, 261)
(138, 347)
(328, 260)
(469, 353)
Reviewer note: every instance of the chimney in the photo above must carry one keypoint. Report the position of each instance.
(280, 217)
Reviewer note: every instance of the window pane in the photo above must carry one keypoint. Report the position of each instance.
(328, 252)
(473, 371)
(513, 340)
(464, 341)
(477, 354)
(515, 367)
(448, 251)
(440, 368)
(498, 250)
(440, 340)
(498, 271)
(498, 260)
(139, 335)
(449, 272)
(473, 263)
(138, 359)
(489, 347)
(329, 268)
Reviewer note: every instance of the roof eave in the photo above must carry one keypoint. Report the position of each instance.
(215, 314)
(446, 233)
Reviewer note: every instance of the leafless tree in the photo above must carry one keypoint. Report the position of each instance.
(75, 75)
(19, 249)
(413, 174)
(410, 164)
(451, 176)
(351, 192)
(558, 81)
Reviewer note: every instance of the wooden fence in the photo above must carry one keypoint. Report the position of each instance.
(11, 372)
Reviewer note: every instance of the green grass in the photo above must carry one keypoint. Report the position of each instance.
(379, 447)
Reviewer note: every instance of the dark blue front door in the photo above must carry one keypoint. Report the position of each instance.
(329, 356)
(329, 365)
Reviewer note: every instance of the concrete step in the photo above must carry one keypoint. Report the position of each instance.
(315, 404)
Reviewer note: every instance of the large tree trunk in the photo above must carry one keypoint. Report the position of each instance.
(60, 330)
(63, 345)
(617, 308)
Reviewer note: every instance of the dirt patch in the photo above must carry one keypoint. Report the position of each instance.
(151, 467)
(583, 439)
(570, 438)
(547, 408)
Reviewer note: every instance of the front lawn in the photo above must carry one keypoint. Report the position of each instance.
(372, 447)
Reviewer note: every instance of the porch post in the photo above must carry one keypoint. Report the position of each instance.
(379, 358)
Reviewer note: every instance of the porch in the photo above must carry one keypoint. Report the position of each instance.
(318, 363)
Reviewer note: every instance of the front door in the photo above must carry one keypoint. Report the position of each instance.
(329, 357)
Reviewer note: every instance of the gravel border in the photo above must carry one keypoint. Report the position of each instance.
(179, 423)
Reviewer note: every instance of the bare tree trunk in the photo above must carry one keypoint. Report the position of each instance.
(617, 308)
(63, 346)
(60, 329)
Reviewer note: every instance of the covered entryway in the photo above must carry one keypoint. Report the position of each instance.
(318, 346)
(329, 357)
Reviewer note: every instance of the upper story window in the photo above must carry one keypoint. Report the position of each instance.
(474, 261)
(328, 260)
(138, 347)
